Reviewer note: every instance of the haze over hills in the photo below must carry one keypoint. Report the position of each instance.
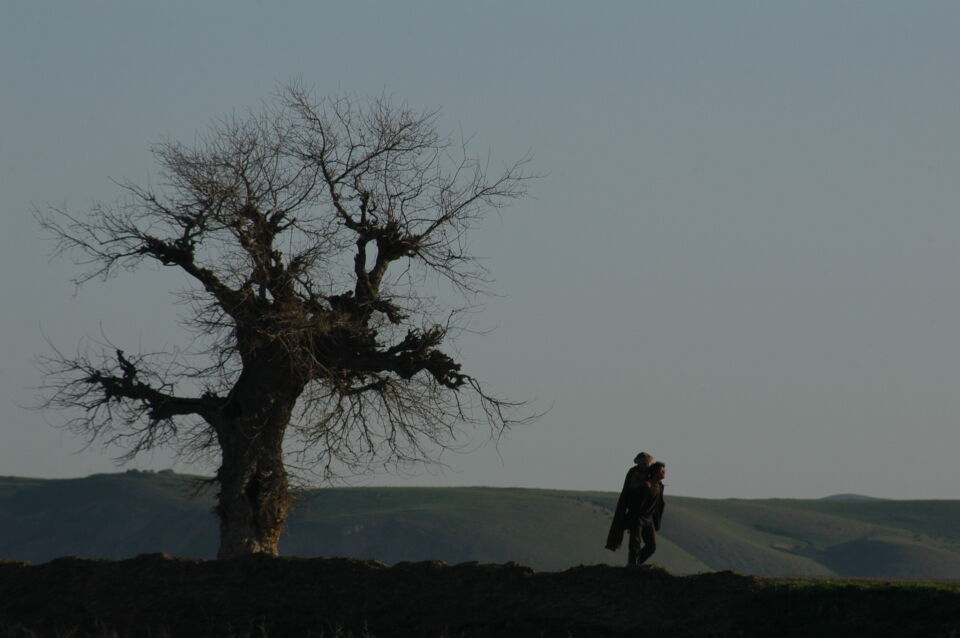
(123, 515)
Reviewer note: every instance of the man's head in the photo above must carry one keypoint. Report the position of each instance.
(658, 471)
(643, 459)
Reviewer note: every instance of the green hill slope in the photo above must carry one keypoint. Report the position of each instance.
(122, 515)
(541, 528)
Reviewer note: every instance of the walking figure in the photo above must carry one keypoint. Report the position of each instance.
(639, 510)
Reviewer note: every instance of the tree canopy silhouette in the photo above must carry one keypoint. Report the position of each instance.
(313, 233)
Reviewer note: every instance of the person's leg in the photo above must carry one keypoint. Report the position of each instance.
(649, 535)
(633, 548)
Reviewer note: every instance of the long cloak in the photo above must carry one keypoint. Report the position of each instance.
(620, 522)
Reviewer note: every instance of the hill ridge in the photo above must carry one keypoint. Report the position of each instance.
(126, 514)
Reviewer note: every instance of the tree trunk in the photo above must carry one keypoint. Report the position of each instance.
(254, 497)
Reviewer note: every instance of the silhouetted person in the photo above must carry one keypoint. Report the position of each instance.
(637, 475)
(639, 510)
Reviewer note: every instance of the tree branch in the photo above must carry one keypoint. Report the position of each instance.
(122, 400)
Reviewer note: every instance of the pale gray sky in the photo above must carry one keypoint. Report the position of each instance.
(744, 257)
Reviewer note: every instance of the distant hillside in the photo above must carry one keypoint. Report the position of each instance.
(123, 515)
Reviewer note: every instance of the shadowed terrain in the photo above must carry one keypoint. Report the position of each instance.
(259, 596)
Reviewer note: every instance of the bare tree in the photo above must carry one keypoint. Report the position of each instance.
(311, 233)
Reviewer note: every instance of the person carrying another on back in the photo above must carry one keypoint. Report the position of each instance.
(639, 510)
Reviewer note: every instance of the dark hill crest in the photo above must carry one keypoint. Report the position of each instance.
(261, 596)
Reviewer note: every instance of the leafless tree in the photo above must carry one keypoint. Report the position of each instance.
(312, 232)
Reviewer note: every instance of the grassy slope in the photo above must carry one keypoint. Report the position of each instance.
(104, 515)
(127, 514)
(907, 539)
(543, 528)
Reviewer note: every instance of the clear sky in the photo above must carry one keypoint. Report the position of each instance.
(744, 256)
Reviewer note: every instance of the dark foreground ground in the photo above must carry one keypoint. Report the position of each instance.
(157, 596)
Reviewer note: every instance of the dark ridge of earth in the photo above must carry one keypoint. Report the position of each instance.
(158, 595)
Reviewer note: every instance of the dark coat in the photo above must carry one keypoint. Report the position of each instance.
(621, 517)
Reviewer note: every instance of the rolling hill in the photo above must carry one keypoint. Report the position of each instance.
(123, 515)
